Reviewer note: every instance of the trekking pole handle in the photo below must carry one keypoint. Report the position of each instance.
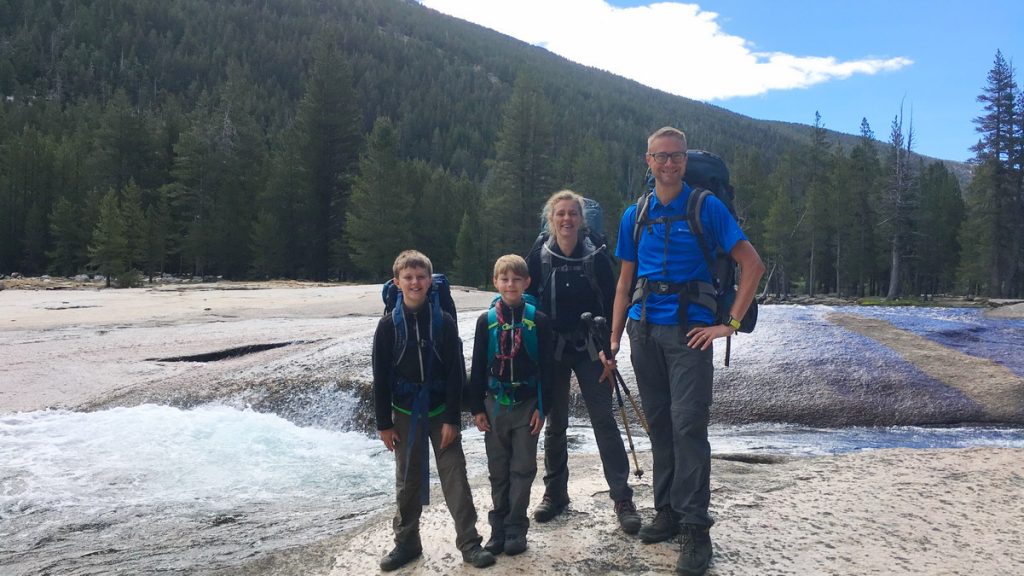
(597, 328)
(601, 328)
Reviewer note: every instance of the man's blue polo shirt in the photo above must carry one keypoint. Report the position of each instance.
(685, 261)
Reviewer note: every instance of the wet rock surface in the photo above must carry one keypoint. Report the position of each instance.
(817, 366)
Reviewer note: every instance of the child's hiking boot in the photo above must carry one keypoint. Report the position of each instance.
(694, 550)
(549, 508)
(663, 527)
(496, 543)
(478, 557)
(398, 557)
(629, 520)
(515, 545)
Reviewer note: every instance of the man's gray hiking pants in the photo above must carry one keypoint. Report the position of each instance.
(675, 389)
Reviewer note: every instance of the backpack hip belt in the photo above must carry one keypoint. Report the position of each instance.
(505, 392)
(696, 291)
(578, 340)
(408, 387)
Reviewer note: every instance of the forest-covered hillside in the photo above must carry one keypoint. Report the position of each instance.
(316, 138)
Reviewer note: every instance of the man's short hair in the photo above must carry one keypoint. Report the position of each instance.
(669, 132)
(511, 264)
(411, 259)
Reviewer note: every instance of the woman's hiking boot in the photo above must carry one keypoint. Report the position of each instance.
(694, 550)
(515, 545)
(478, 557)
(549, 508)
(663, 527)
(629, 520)
(398, 557)
(496, 543)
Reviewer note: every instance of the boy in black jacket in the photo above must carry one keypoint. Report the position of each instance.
(418, 374)
(510, 387)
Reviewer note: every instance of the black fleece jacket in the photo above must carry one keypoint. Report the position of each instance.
(450, 367)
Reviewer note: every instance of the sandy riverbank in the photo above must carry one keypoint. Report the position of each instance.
(893, 512)
(880, 512)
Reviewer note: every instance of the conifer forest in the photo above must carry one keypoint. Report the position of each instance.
(315, 139)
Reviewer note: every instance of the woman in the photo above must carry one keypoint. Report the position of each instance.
(570, 276)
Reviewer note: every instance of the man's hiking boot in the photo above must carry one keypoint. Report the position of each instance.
(496, 543)
(478, 557)
(398, 557)
(663, 527)
(629, 520)
(515, 545)
(549, 508)
(694, 551)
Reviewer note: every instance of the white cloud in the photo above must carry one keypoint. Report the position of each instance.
(665, 45)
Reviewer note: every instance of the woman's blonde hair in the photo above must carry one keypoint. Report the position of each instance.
(549, 207)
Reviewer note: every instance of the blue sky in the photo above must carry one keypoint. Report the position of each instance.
(786, 59)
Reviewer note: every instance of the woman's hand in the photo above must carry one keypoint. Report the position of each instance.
(608, 371)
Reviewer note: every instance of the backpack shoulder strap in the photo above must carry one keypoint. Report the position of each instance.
(642, 206)
(545, 264)
(401, 335)
(530, 331)
(694, 205)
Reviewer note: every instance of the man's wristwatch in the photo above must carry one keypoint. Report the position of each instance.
(734, 323)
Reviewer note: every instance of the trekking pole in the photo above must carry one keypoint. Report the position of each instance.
(602, 325)
(589, 319)
(629, 435)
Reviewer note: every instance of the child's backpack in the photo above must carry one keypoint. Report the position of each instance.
(524, 337)
(439, 297)
(440, 294)
(706, 174)
(595, 245)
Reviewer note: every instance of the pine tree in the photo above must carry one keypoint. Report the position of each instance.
(940, 217)
(998, 204)
(817, 206)
(269, 253)
(134, 225)
(521, 177)
(471, 254)
(329, 140)
(899, 201)
(782, 226)
(108, 250)
(594, 177)
(864, 175)
(70, 239)
(157, 241)
(379, 216)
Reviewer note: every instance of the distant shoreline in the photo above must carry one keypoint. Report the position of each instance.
(1009, 308)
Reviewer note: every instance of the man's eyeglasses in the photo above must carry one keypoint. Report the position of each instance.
(662, 157)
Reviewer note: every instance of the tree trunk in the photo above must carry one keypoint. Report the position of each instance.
(894, 273)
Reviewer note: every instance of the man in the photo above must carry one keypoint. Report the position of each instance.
(671, 339)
